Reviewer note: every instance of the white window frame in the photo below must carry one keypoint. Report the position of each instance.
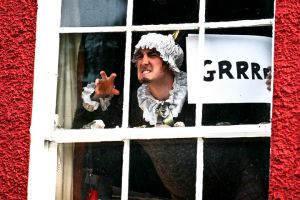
(45, 137)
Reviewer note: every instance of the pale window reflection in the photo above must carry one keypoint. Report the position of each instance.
(90, 13)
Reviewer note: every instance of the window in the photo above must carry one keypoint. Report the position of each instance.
(224, 147)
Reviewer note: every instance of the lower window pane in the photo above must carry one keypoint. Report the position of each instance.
(236, 113)
(93, 169)
(236, 168)
(163, 169)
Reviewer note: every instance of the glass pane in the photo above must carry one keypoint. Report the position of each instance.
(229, 10)
(163, 169)
(81, 58)
(91, 13)
(259, 31)
(93, 169)
(166, 11)
(145, 107)
(247, 69)
(236, 168)
(237, 113)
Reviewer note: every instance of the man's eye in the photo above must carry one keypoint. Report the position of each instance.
(138, 57)
(153, 54)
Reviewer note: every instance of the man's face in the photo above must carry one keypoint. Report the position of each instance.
(150, 66)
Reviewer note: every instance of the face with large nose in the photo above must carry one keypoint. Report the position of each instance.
(150, 66)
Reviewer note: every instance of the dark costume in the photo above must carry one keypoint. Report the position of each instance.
(173, 159)
(227, 166)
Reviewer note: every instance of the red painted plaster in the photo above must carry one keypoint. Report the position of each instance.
(285, 141)
(17, 43)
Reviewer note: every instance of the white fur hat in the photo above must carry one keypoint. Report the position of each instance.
(165, 45)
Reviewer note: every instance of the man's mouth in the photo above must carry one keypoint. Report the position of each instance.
(146, 71)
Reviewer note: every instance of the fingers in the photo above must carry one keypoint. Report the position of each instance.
(115, 91)
(105, 85)
(112, 77)
(104, 78)
(269, 78)
(103, 75)
(268, 83)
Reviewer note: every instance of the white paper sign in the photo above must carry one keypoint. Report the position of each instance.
(234, 72)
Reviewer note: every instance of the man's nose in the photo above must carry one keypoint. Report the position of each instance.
(145, 60)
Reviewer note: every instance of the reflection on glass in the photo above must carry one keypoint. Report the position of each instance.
(260, 31)
(81, 58)
(90, 13)
(236, 168)
(166, 11)
(229, 10)
(93, 169)
(234, 114)
(163, 169)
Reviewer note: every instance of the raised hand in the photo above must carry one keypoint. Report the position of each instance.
(105, 86)
(269, 79)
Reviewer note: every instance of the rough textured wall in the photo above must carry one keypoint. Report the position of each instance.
(285, 152)
(17, 43)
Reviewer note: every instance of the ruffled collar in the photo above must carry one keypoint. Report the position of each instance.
(174, 103)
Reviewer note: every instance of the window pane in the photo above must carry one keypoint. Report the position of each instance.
(166, 11)
(231, 69)
(259, 31)
(161, 169)
(90, 168)
(142, 102)
(82, 57)
(228, 10)
(91, 13)
(236, 168)
(237, 113)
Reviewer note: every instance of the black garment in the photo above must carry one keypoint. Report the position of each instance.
(112, 117)
(174, 160)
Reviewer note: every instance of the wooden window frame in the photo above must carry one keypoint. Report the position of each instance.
(45, 137)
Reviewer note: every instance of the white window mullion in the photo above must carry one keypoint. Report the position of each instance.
(125, 170)
(200, 168)
(126, 90)
(106, 29)
(201, 40)
(273, 57)
(45, 66)
(117, 134)
(42, 167)
(142, 28)
(168, 27)
(199, 105)
(239, 23)
(42, 170)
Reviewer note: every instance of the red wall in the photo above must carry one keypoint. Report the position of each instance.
(17, 43)
(285, 142)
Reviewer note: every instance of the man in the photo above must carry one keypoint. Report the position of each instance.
(163, 92)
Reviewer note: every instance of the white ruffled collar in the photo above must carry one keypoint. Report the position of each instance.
(175, 101)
